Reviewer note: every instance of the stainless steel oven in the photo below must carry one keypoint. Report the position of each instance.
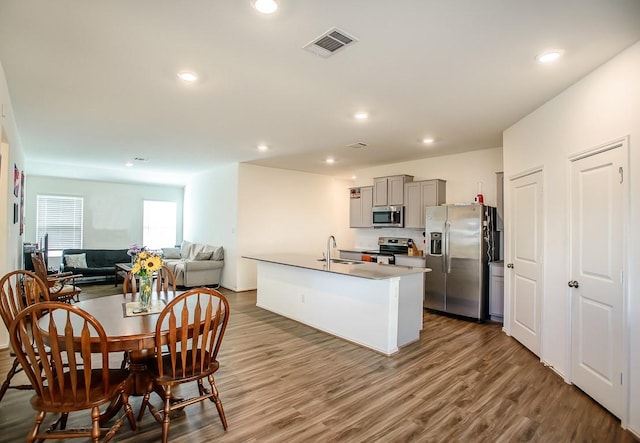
(388, 216)
(390, 246)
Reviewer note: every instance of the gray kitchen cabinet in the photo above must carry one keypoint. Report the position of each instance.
(360, 205)
(420, 194)
(389, 191)
(496, 290)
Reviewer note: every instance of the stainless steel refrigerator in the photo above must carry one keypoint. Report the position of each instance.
(460, 245)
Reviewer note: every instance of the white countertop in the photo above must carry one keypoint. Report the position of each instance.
(372, 271)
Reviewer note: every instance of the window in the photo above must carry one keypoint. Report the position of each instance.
(61, 218)
(159, 224)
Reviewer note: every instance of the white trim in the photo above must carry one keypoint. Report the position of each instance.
(526, 172)
(600, 148)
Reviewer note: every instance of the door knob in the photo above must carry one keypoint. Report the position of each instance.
(510, 265)
(573, 284)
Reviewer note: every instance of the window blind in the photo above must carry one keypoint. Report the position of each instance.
(61, 218)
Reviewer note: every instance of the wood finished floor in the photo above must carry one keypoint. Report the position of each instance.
(281, 381)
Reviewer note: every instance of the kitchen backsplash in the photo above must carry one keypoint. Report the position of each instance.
(368, 238)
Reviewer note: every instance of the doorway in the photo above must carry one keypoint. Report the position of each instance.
(598, 210)
(524, 269)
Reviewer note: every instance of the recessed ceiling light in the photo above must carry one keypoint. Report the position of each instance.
(330, 161)
(128, 164)
(263, 148)
(188, 76)
(265, 6)
(549, 56)
(353, 177)
(428, 140)
(361, 115)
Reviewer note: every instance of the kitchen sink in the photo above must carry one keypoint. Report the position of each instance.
(342, 261)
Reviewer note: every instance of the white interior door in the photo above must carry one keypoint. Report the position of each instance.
(524, 267)
(597, 238)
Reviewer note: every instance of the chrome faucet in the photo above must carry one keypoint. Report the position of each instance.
(329, 246)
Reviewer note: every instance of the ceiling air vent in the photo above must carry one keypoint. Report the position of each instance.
(357, 145)
(330, 42)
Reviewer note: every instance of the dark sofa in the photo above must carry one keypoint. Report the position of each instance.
(100, 262)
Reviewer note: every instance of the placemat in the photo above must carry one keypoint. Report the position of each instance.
(132, 308)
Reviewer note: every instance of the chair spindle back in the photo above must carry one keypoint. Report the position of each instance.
(165, 282)
(197, 320)
(69, 334)
(130, 284)
(19, 289)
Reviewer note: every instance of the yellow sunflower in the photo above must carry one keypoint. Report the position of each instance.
(153, 263)
(136, 267)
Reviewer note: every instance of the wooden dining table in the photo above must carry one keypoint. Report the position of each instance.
(134, 335)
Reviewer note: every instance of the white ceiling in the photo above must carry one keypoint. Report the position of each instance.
(93, 83)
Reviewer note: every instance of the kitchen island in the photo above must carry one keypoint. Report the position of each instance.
(374, 305)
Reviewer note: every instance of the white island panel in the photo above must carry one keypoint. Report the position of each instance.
(381, 314)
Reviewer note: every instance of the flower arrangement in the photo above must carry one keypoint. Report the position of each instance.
(146, 262)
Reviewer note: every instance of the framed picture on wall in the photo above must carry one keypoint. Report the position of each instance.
(22, 203)
(16, 180)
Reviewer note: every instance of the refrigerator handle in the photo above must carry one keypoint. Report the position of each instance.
(447, 229)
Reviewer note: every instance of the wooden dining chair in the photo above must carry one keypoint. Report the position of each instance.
(18, 289)
(165, 282)
(61, 285)
(130, 284)
(197, 320)
(69, 380)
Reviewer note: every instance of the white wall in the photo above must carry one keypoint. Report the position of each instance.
(602, 107)
(462, 172)
(112, 211)
(10, 154)
(210, 215)
(288, 211)
(251, 209)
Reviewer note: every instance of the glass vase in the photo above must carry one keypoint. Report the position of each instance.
(145, 293)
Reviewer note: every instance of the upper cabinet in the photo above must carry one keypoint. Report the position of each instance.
(360, 204)
(389, 191)
(418, 195)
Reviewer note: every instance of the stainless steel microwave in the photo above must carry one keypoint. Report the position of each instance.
(388, 216)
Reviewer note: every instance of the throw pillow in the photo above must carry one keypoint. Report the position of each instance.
(170, 253)
(218, 253)
(204, 255)
(76, 260)
(185, 249)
